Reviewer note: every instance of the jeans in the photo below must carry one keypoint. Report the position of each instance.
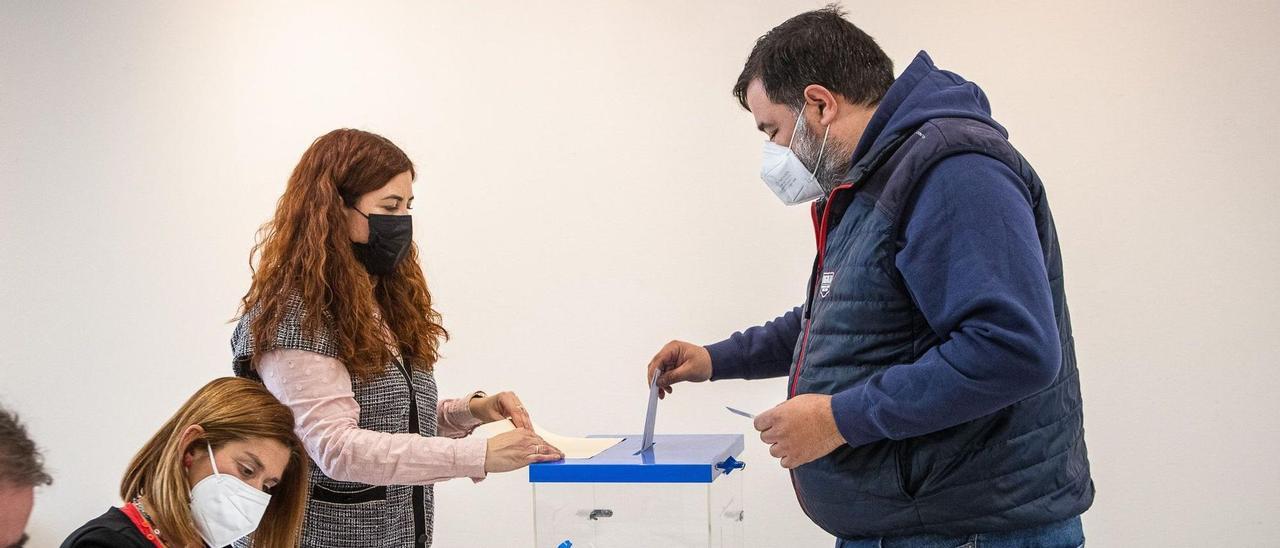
(1063, 534)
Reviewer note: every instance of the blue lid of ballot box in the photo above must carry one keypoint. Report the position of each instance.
(672, 459)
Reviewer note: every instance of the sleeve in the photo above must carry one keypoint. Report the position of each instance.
(759, 352)
(318, 390)
(454, 418)
(972, 261)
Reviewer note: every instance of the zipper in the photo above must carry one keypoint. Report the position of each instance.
(419, 496)
(855, 177)
(820, 234)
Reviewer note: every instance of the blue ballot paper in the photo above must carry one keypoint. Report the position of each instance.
(650, 415)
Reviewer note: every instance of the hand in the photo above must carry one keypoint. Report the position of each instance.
(503, 405)
(516, 449)
(800, 430)
(679, 361)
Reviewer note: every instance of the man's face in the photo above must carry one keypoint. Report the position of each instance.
(829, 161)
(17, 502)
(776, 120)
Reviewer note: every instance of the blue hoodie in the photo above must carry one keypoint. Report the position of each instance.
(972, 262)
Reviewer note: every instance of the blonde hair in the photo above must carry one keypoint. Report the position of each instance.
(228, 409)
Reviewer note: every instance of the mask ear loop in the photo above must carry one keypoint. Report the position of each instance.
(796, 130)
(211, 460)
(817, 163)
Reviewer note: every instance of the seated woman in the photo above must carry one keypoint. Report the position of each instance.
(225, 462)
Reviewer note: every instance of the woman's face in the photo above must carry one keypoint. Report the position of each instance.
(259, 462)
(394, 198)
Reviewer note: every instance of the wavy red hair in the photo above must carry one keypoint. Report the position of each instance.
(306, 250)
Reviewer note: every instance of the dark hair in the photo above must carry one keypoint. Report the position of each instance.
(817, 47)
(20, 462)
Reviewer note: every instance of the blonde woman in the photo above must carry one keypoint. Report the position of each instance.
(227, 465)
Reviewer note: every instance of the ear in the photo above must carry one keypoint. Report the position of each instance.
(823, 102)
(187, 441)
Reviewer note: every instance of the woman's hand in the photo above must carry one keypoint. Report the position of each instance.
(516, 449)
(503, 405)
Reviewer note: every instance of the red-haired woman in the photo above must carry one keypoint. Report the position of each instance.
(338, 324)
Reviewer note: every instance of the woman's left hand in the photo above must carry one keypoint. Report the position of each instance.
(503, 405)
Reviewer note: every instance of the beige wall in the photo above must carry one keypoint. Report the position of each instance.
(589, 190)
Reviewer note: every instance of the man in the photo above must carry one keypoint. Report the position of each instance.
(21, 471)
(933, 396)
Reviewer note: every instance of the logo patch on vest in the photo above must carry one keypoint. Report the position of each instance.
(826, 283)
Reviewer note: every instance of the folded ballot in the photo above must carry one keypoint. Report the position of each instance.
(573, 448)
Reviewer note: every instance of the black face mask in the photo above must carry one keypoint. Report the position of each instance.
(389, 239)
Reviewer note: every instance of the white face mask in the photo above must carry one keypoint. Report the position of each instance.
(225, 508)
(786, 175)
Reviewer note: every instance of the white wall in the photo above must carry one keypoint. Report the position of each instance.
(588, 190)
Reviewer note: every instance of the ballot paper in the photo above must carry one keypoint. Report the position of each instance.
(573, 448)
(650, 415)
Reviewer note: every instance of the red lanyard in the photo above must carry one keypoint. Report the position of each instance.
(136, 517)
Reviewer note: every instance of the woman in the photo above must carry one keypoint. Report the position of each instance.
(226, 462)
(338, 324)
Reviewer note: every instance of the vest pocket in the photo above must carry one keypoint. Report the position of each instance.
(320, 493)
(902, 458)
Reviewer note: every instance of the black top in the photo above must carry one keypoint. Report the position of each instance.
(110, 530)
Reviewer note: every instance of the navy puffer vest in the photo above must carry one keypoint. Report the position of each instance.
(1023, 465)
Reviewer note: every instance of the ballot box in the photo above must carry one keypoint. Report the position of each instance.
(684, 491)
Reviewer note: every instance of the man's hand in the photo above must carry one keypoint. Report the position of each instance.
(800, 430)
(503, 405)
(679, 361)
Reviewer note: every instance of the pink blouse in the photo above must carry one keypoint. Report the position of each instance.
(318, 390)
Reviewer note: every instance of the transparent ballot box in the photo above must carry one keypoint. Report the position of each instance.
(684, 491)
